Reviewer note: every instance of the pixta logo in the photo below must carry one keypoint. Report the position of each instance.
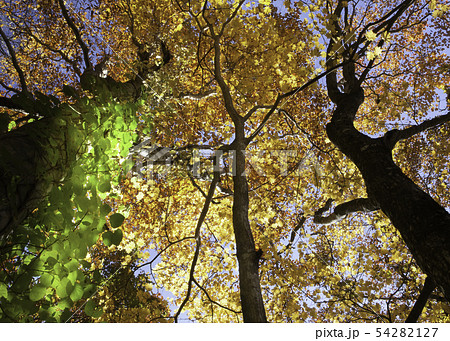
(202, 162)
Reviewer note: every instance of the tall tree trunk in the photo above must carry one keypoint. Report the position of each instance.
(250, 287)
(422, 222)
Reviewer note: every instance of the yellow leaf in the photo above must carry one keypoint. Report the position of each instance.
(370, 35)
(179, 27)
(377, 51)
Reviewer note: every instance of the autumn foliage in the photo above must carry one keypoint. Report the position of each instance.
(220, 85)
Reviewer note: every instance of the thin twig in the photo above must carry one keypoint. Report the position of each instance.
(214, 302)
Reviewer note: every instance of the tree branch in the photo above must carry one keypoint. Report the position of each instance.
(255, 109)
(197, 96)
(229, 105)
(75, 31)
(72, 63)
(12, 54)
(166, 57)
(385, 23)
(264, 121)
(214, 302)
(7, 103)
(121, 91)
(202, 217)
(388, 19)
(332, 86)
(280, 97)
(9, 88)
(393, 136)
(231, 17)
(300, 222)
(342, 210)
(428, 288)
(162, 251)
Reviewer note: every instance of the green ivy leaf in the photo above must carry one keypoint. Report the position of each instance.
(37, 292)
(22, 283)
(72, 265)
(117, 237)
(65, 303)
(91, 309)
(64, 288)
(107, 238)
(46, 279)
(112, 237)
(77, 293)
(105, 209)
(3, 290)
(81, 252)
(105, 186)
(116, 219)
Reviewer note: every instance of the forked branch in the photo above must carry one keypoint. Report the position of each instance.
(215, 302)
(226, 93)
(278, 100)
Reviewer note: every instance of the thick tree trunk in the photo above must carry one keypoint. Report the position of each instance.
(422, 222)
(250, 287)
(27, 170)
(25, 173)
(18, 155)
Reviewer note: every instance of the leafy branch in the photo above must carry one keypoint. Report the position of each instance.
(215, 302)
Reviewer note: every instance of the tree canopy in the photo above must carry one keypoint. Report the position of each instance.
(281, 161)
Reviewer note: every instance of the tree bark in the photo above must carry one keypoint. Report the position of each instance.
(26, 175)
(249, 281)
(18, 156)
(421, 221)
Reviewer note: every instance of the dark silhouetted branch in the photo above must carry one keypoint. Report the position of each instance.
(77, 34)
(344, 209)
(12, 54)
(416, 310)
(214, 302)
(393, 136)
(7, 103)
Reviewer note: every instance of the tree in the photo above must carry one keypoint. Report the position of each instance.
(62, 155)
(236, 96)
(422, 222)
